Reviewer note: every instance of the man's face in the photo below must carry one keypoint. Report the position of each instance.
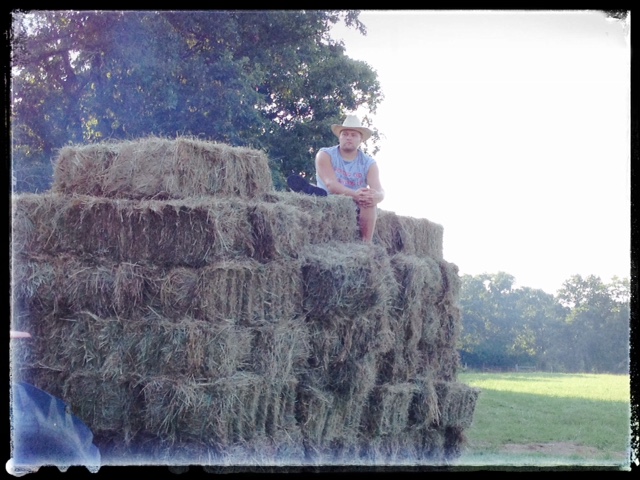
(350, 140)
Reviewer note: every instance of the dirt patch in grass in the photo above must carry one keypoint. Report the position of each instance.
(558, 449)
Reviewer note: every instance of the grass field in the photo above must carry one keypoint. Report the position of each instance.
(548, 419)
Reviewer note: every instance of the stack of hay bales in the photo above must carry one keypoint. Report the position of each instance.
(189, 313)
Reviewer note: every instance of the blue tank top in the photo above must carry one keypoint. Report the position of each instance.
(351, 174)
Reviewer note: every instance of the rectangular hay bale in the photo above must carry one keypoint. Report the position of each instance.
(220, 413)
(346, 279)
(278, 230)
(312, 410)
(387, 412)
(186, 346)
(106, 407)
(279, 350)
(161, 168)
(190, 232)
(456, 404)
(420, 281)
(331, 219)
(413, 236)
(345, 352)
(251, 293)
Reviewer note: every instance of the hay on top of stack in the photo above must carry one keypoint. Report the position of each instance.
(159, 168)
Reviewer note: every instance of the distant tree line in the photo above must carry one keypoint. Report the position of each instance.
(272, 80)
(584, 327)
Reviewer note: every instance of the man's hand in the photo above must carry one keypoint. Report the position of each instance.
(365, 197)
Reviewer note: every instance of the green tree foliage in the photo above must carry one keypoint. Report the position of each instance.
(585, 327)
(540, 316)
(495, 332)
(595, 333)
(272, 80)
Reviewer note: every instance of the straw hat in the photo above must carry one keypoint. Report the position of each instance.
(352, 123)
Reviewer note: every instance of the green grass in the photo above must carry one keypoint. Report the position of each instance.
(548, 419)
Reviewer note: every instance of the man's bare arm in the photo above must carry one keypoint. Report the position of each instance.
(373, 180)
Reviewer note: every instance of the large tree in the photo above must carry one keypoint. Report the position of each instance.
(272, 80)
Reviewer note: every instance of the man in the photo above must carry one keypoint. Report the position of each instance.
(344, 169)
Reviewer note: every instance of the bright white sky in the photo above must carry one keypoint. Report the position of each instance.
(510, 129)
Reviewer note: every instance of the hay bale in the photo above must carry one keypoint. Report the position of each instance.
(440, 361)
(149, 345)
(456, 404)
(412, 236)
(278, 230)
(420, 281)
(331, 421)
(404, 360)
(279, 350)
(423, 238)
(215, 356)
(312, 410)
(415, 318)
(400, 450)
(31, 214)
(423, 411)
(189, 232)
(112, 409)
(215, 412)
(61, 346)
(393, 365)
(186, 346)
(450, 325)
(178, 291)
(102, 287)
(440, 351)
(33, 290)
(132, 283)
(159, 168)
(387, 412)
(331, 219)
(275, 415)
(389, 232)
(344, 352)
(342, 429)
(27, 366)
(227, 412)
(346, 279)
(251, 293)
(73, 342)
(415, 447)
(451, 282)
(283, 448)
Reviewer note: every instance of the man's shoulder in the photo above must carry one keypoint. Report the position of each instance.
(331, 152)
(366, 157)
(330, 149)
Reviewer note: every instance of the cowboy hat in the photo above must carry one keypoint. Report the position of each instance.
(352, 123)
